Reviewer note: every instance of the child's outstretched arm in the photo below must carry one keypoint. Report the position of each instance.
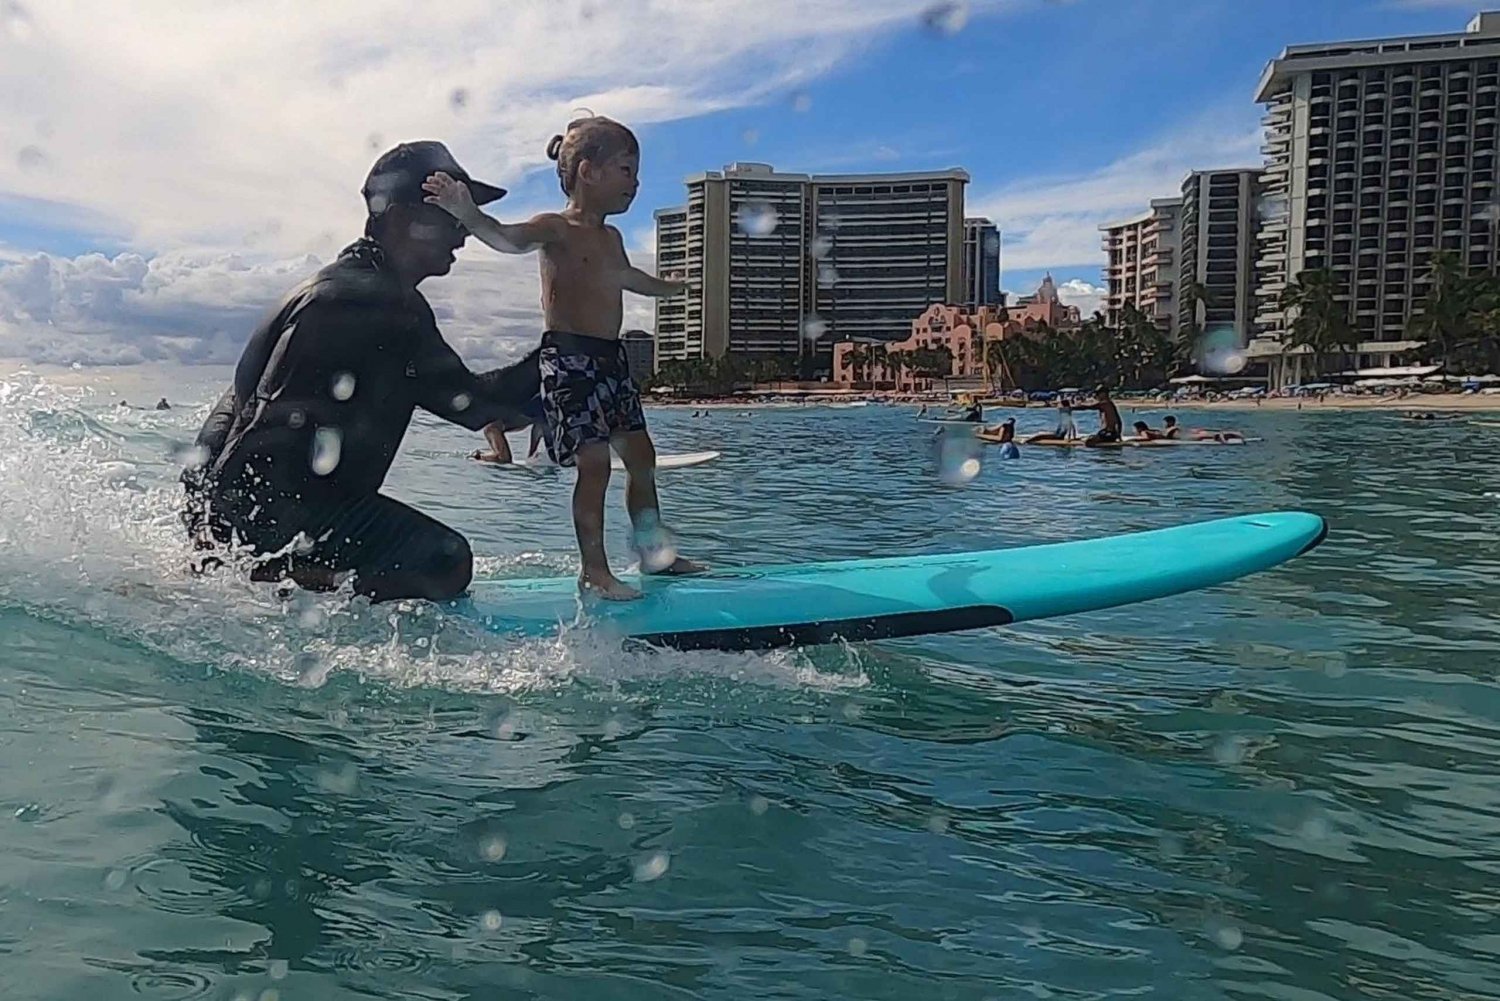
(454, 198)
(637, 281)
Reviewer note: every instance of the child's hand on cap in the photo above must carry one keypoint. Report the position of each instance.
(449, 195)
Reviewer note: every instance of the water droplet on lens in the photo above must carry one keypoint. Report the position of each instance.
(296, 419)
(1271, 207)
(373, 141)
(190, 456)
(31, 158)
(114, 879)
(1219, 350)
(946, 18)
(756, 219)
(343, 386)
(490, 921)
(759, 805)
(17, 20)
(959, 457)
(827, 275)
(802, 102)
(327, 444)
(270, 994)
(626, 821)
(819, 246)
(342, 780)
(461, 401)
(312, 670)
(653, 866)
(813, 326)
(655, 546)
(858, 947)
(1169, 846)
(1316, 828)
(459, 99)
(492, 848)
(937, 824)
(1230, 750)
(277, 969)
(612, 729)
(1225, 934)
(260, 889)
(750, 136)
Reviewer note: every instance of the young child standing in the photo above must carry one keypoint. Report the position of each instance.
(590, 401)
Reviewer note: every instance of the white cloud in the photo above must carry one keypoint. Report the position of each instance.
(1082, 293)
(1053, 221)
(222, 143)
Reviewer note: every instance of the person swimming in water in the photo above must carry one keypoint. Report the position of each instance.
(1003, 432)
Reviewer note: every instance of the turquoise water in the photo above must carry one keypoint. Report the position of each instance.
(1285, 788)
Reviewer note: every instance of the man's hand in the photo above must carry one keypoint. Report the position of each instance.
(451, 196)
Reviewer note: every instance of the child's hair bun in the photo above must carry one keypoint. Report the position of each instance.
(554, 147)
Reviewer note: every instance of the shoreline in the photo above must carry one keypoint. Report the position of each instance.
(1435, 402)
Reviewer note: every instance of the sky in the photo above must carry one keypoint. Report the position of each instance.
(168, 170)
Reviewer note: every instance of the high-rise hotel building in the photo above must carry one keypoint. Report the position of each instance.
(1141, 264)
(1378, 153)
(790, 263)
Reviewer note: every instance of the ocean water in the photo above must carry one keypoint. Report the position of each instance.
(1285, 788)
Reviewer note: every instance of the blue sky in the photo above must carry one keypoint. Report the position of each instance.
(219, 149)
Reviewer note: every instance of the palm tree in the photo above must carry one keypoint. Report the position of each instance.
(1322, 319)
(856, 358)
(1450, 312)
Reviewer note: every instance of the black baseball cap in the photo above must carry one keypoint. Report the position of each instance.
(397, 176)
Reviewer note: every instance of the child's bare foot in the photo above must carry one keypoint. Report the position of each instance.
(680, 567)
(606, 585)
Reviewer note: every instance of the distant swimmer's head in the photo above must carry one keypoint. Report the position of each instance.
(422, 235)
(598, 163)
(1141, 426)
(1101, 391)
(1170, 421)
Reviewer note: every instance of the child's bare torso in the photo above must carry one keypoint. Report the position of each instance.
(582, 275)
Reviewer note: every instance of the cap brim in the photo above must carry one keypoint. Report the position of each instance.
(485, 193)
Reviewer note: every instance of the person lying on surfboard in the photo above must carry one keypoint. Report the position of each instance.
(1145, 432)
(590, 401)
(1174, 432)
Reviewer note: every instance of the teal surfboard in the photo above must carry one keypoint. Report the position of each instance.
(763, 607)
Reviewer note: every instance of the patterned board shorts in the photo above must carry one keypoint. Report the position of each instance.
(587, 393)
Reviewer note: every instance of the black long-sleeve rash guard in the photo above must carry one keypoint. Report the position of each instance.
(350, 353)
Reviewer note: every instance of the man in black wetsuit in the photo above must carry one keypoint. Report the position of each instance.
(295, 452)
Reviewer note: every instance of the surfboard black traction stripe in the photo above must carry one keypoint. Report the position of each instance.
(873, 627)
